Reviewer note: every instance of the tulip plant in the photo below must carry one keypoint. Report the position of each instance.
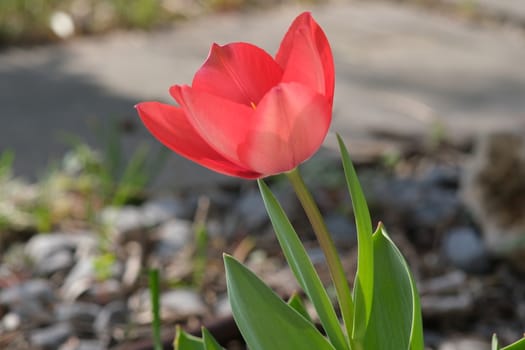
(250, 115)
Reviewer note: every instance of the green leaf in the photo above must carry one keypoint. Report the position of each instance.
(303, 268)
(395, 320)
(364, 280)
(297, 304)
(265, 320)
(519, 345)
(185, 341)
(209, 341)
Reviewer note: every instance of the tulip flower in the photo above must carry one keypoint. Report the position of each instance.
(248, 114)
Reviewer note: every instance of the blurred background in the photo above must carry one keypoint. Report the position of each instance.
(430, 98)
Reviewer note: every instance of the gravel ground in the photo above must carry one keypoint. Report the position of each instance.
(83, 285)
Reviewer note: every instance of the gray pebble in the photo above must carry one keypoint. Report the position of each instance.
(464, 248)
(159, 210)
(89, 345)
(11, 322)
(113, 314)
(447, 283)
(58, 262)
(44, 245)
(181, 303)
(250, 210)
(464, 344)
(123, 218)
(80, 315)
(50, 338)
(447, 305)
(442, 176)
(223, 307)
(79, 279)
(82, 280)
(33, 313)
(104, 291)
(341, 228)
(30, 301)
(435, 207)
(125, 222)
(316, 255)
(37, 290)
(172, 236)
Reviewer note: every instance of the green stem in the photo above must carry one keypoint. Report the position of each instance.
(324, 238)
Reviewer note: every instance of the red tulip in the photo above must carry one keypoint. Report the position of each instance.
(248, 114)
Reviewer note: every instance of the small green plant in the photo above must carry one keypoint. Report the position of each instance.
(28, 21)
(142, 14)
(437, 134)
(76, 188)
(200, 242)
(25, 20)
(390, 159)
(6, 164)
(43, 216)
(110, 176)
(200, 257)
(17, 200)
(122, 178)
(468, 7)
(104, 265)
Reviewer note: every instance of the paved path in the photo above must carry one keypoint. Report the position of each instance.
(399, 69)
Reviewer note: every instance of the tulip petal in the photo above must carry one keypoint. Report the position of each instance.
(171, 127)
(306, 57)
(240, 72)
(290, 125)
(285, 129)
(223, 124)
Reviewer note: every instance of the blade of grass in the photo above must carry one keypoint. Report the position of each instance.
(494, 344)
(154, 287)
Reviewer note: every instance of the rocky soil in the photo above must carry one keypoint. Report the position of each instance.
(83, 284)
